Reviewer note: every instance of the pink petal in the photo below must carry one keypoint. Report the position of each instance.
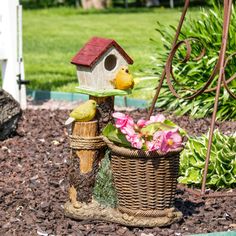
(118, 115)
(151, 146)
(157, 118)
(129, 130)
(141, 123)
(135, 141)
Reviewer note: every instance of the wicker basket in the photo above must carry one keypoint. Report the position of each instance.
(145, 181)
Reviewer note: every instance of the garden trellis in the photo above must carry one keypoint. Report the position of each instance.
(11, 61)
(219, 69)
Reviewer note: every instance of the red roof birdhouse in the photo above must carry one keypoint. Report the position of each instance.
(98, 62)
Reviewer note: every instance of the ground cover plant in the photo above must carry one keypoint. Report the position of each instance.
(222, 164)
(53, 36)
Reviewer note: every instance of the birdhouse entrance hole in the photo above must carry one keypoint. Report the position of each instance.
(110, 62)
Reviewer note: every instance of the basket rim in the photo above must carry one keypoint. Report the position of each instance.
(128, 152)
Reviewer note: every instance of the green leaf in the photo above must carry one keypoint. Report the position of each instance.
(154, 127)
(114, 135)
(222, 163)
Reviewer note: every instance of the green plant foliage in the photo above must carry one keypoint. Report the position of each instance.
(115, 135)
(207, 28)
(104, 191)
(222, 164)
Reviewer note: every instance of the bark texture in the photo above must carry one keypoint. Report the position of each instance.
(104, 111)
(84, 163)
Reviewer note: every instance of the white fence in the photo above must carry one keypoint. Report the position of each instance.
(11, 60)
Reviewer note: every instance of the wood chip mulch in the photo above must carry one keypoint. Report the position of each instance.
(34, 184)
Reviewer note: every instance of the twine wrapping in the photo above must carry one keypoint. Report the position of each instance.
(168, 212)
(86, 143)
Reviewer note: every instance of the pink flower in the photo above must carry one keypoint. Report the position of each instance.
(129, 130)
(135, 141)
(155, 144)
(122, 120)
(170, 140)
(151, 146)
(157, 118)
(163, 140)
(141, 123)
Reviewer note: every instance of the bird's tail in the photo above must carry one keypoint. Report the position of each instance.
(69, 120)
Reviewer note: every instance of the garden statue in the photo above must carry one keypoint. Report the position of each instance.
(144, 155)
(123, 79)
(84, 112)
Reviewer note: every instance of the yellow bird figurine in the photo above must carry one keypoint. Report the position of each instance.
(84, 112)
(123, 80)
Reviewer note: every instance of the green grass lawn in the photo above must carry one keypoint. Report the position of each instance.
(53, 36)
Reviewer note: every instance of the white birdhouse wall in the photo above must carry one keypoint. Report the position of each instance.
(101, 75)
(84, 75)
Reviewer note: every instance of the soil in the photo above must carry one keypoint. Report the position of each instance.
(34, 184)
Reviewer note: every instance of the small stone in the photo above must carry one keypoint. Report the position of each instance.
(146, 234)
(121, 231)
(177, 234)
(170, 231)
(129, 233)
(44, 205)
(6, 225)
(174, 226)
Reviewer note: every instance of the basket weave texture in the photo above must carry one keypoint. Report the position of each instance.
(145, 182)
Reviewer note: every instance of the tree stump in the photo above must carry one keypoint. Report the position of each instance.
(87, 151)
(10, 113)
(88, 148)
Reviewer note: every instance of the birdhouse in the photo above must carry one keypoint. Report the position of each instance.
(97, 64)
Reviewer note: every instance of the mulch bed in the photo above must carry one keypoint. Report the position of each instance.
(34, 184)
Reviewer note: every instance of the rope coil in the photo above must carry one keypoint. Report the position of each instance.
(168, 212)
(86, 143)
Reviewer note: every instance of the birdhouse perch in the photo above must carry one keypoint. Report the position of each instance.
(97, 64)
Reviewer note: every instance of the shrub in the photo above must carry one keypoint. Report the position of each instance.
(193, 74)
(222, 164)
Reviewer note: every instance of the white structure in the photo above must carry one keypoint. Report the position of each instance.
(98, 62)
(11, 50)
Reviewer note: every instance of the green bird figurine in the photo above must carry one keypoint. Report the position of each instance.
(84, 112)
